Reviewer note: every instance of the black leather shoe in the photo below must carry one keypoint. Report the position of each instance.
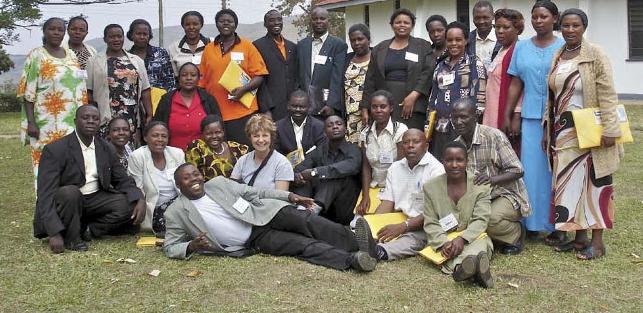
(87, 235)
(517, 247)
(466, 269)
(361, 261)
(79, 246)
(483, 274)
(364, 237)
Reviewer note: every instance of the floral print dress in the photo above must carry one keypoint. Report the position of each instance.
(123, 80)
(56, 87)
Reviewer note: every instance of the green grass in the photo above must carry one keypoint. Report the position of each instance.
(34, 280)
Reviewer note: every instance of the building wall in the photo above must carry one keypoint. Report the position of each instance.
(607, 27)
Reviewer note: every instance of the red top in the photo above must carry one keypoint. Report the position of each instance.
(185, 123)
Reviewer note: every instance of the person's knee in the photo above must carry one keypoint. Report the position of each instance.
(68, 193)
(121, 208)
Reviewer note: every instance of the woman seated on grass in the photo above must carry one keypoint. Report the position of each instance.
(381, 144)
(152, 167)
(211, 154)
(453, 203)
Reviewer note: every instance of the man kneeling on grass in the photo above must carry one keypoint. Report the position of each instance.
(223, 217)
(403, 192)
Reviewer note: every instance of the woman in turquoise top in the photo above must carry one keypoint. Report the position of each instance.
(529, 68)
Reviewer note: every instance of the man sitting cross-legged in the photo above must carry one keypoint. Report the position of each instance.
(403, 192)
(83, 190)
(493, 162)
(224, 217)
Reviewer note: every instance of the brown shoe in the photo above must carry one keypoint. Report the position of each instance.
(483, 274)
(466, 269)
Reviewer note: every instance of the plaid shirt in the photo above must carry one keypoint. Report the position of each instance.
(491, 154)
(159, 68)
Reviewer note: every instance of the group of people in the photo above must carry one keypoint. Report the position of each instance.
(470, 136)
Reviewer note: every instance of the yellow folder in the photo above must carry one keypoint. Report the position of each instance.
(378, 221)
(233, 77)
(428, 129)
(147, 241)
(375, 200)
(437, 257)
(156, 94)
(589, 128)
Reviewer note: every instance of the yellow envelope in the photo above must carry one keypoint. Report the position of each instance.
(147, 241)
(375, 200)
(233, 77)
(378, 221)
(156, 94)
(437, 257)
(589, 128)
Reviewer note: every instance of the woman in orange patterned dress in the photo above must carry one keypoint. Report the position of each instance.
(52, 86)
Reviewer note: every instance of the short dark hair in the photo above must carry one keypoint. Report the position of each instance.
(191, 13)
(209, 119)
(47, 23)
(434, 18)
(384, 93)
(460, 25)
(153, 124)
(483, 4)
(265, 16)
(360, 28)
(469, 102)
(188, 64)
(514, 16)
(114, 119)
(550, 6)
(298, 94)
(77, 18)
(229, 12)
(454, 144)
(180, 167)
(132, 26)
(402, 11)
(110, 26)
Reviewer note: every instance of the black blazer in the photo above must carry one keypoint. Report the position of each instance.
(164, 107)
(419, 74)
(471, 46)
(313, 135)
(283, 79)
(326, 76)
(62, 164)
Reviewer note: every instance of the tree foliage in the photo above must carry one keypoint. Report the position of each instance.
(337, 25)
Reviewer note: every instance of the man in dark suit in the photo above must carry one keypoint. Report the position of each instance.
(280, 56)
(482, 40)
(83, 188)
(298, 133)
(321, 66)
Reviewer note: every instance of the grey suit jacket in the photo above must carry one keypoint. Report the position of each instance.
(183, 221)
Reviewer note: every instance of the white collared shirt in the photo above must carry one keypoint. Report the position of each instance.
(299, 131)
(381, 150)
(484, 47)
(91, 171)
(224, 227)
(404, 185)
(316, 47)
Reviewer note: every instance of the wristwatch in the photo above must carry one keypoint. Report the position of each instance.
(313, 172)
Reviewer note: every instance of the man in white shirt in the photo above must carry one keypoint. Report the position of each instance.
(83, 190)
(482, 40)
(223, 217)
(403, 193)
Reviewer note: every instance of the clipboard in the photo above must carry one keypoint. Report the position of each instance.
(437, 257)
(589, 128)
(233, 77)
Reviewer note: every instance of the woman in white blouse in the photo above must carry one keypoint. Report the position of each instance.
(381, 144)
(152, 167)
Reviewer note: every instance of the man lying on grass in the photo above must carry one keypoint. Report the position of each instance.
(223, 217)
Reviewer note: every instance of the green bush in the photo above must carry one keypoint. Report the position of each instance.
(9, 102)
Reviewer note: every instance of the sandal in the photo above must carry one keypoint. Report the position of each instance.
(590, 253)
(555, 238)
(570, 246)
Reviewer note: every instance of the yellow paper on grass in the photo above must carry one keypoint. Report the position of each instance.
(233, 77)
(589, 128)
(156, 94)
(437, 257)
(147, 241)
(378, 221)
(375, 200)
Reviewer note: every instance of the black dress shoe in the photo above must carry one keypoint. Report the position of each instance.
(364, 237)
(79, 246)
(361, 261)
(517, 247)
(466, 269)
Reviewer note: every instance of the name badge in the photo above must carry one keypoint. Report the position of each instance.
(82, 74)
(448, 222)
(564, 68)
(320, 59)
(196, 59)
(241, 205)
(413, 57)
(417, 197)
(386, 158)
(448, 79)
(236, 56)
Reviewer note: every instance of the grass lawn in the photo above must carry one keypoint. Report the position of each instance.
(538, 280)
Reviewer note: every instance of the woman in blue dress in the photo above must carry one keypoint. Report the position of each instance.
(529, 68)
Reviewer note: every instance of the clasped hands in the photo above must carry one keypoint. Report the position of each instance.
(453, 248)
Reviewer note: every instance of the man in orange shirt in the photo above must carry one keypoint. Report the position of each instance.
(229, 47)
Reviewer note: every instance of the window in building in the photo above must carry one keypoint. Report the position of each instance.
(635, 29)
(462, 11)
(367, 19)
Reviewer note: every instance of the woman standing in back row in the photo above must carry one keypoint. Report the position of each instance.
(190, 47)
(529, 67)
